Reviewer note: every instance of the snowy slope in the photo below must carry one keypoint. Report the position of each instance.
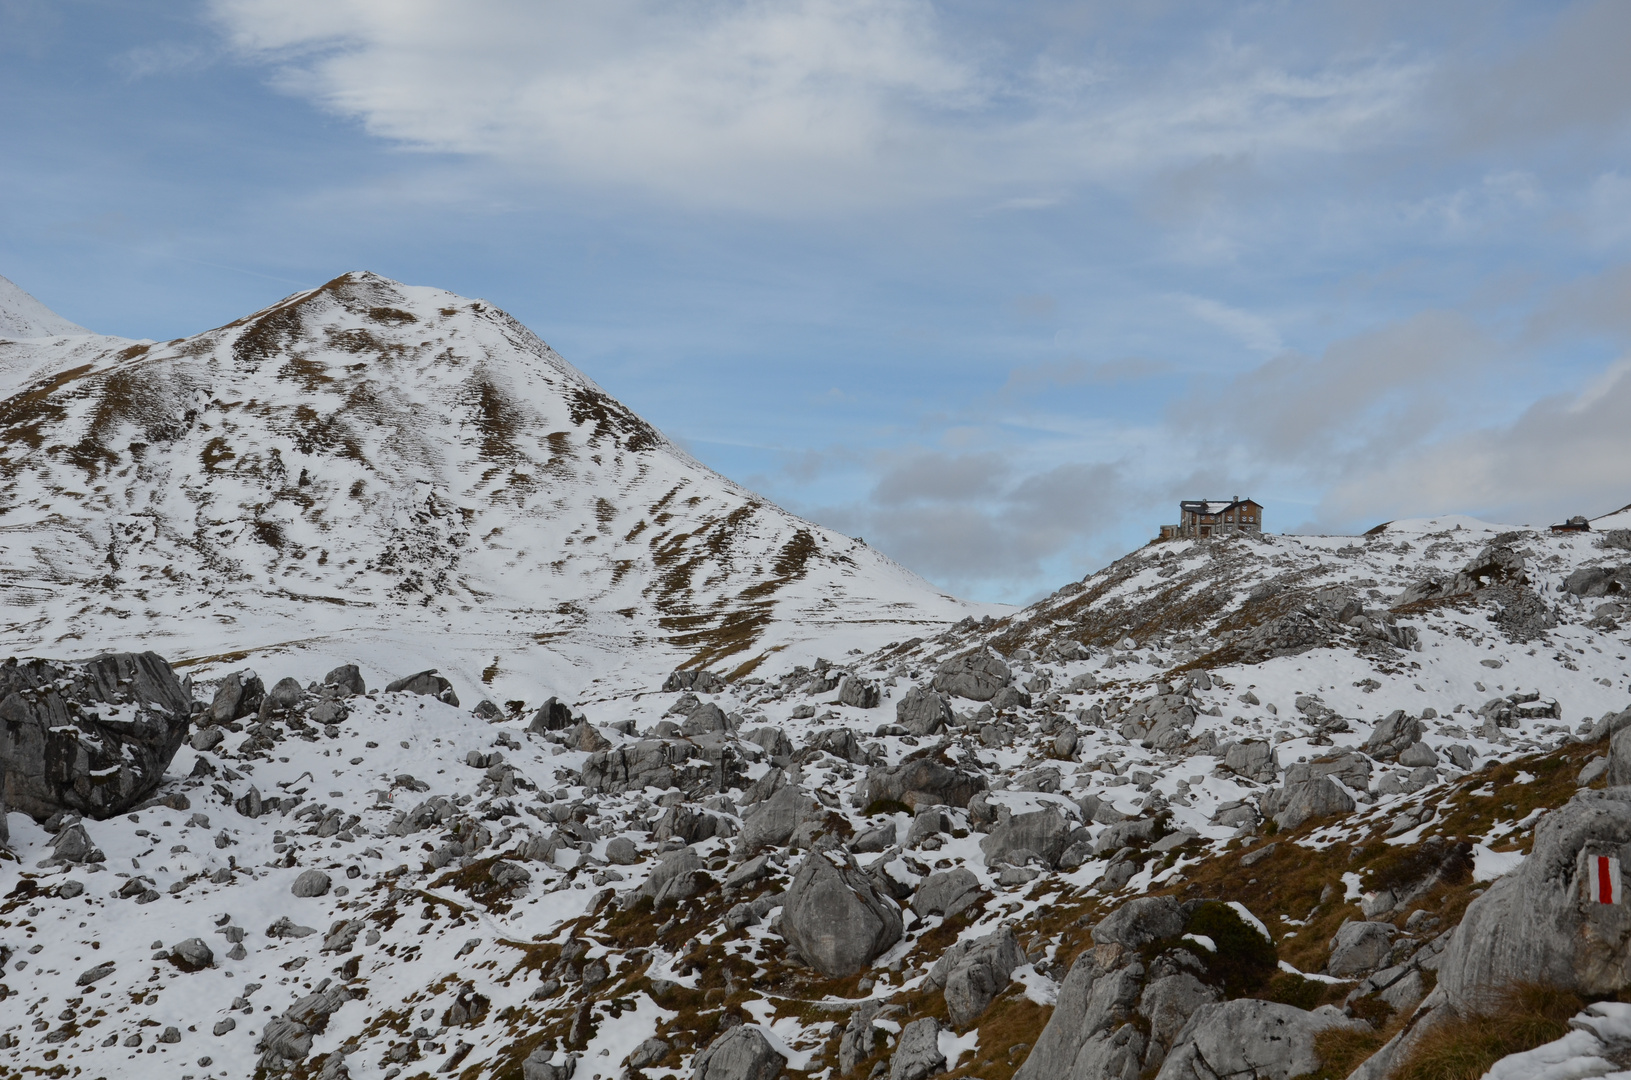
(406, 478)
(22, 316)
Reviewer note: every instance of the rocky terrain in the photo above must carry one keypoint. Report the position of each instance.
(1271, 807)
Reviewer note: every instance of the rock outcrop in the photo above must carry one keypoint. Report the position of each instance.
(93, 737)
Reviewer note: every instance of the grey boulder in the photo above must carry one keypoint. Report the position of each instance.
(973, 973)
(192, 954)
(1359, 948)
(1542, 922)
(1393, 735)
(946, 893)
(237, 696)
(858, 693)
(835, 917)
(976, 676)
(772, 822)
(93, 737)
(741, 1053)
(923, 712)
(552, 715)
(702, 682)
(1247, 1037)
(1254, 759)
(1305, 797)
(1086, 1038)
(1167, 1004)
(346, 677)
(877, 838)
(1044, 832)
(917, 1055)
(922, 782)
(1139, 922)
(428, 683)
(310, 883)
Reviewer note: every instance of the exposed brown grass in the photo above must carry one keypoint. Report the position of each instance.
(1520, 1018)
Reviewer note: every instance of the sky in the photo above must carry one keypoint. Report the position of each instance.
(991, 286)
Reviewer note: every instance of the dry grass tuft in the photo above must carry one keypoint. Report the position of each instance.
(1520, 1018)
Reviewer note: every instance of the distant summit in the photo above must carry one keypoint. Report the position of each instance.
(22, 317)
(371, 468)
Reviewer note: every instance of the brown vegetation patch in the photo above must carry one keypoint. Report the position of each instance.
(1516, 1019)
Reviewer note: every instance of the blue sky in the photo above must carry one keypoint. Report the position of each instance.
(991, 285)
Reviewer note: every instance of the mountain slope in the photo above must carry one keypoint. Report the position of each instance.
(22, 316)
(396, 474)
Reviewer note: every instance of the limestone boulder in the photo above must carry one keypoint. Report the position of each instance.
(1359, 948)
(923, 712)
(835, 917)
(237, 696)
(741, 1053)
(946, 892)
(973, 973)
(1250, 1038)
(1544, 921)
(1045, 832)
(917, 1055)
(1305, 798)
(1087, 1037)
(1254, 759)
(92, 736)
(976, 676)
(858, 693)
(428, 683)
(921, 782)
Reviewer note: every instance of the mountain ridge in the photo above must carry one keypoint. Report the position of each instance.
(372, 447)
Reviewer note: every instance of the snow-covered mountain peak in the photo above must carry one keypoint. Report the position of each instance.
(394, 474)
(23, 317)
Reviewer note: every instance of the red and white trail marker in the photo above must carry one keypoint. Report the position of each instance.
(1602, 879)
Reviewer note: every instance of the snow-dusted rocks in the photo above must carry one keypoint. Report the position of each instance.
(429, 683)
(237, 695)
(92, 737)
(1307, 793)
(835, 917)
(1041, 834)
(192, 954)
(310, 883)
(741, 1053)
(946, 892)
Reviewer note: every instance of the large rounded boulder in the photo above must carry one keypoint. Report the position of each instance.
(834, 916)
(93, 737)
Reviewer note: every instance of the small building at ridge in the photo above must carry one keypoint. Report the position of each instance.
(1215, 517)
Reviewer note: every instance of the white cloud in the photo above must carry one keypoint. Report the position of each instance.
(1251, 330)
(808, 104)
